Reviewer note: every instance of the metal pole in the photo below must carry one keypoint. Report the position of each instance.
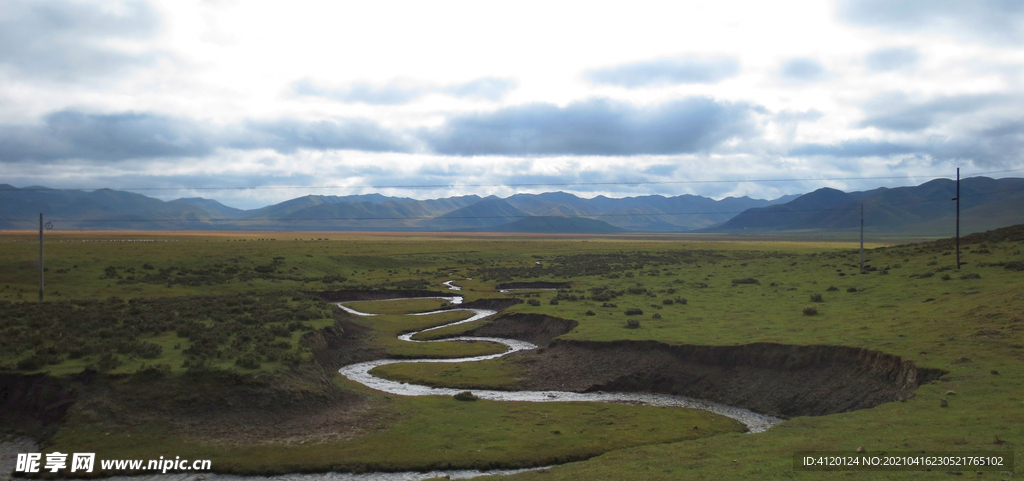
(40, 257)
(957, 218)
(862, 238)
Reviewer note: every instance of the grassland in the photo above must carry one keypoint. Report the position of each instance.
(912, 302)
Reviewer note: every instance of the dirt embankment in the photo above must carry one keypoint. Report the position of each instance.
(346, 295)
(536, 328)
(341, 344)
(780, 380)
(534, 285)
(35, 404)
(498, 304)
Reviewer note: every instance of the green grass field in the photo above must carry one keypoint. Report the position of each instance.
(912, 302)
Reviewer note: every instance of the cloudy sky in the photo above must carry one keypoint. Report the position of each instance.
(252, 103)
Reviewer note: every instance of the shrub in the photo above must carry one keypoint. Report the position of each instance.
(108, 362)
(634, 311)
(832, 289)
(680, 300)
(465, 396)
(946, 277)
(632, 324)
(667, 302)
(248, 360)
(851, 289)
(148, 350)
(816, 298)
(533, 302)
(748, 280)
(591, 313)
(971, 276)
(553, 302)
(810, 311)
(656, 316)
(609, 304)
(29, 364)
(332, 278)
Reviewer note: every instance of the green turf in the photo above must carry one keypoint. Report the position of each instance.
(924, 310)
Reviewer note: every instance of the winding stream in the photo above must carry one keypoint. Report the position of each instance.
(360, 373)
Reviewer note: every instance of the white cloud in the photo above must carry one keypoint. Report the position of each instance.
(184, 94)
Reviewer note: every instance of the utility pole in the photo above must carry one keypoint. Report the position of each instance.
(40, 257)
(957, 199)
(862, 238)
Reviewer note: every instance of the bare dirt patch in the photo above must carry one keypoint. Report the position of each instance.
(775, 379)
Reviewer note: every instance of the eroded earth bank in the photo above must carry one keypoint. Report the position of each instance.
(774, 379)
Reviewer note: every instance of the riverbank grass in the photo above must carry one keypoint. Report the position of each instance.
(477, 435)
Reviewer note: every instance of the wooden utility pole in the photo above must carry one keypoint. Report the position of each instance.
(957, 199)
(40, 257)
(862, 238)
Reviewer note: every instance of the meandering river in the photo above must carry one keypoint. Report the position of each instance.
(360, 373)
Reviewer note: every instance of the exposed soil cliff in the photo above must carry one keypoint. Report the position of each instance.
(533, 285)
(781, 380)
(346, 295)
(536, 328)
(35, 404)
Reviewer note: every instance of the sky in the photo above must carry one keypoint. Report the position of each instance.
(252, 102)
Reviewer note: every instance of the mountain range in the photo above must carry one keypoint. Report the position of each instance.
(924, 209)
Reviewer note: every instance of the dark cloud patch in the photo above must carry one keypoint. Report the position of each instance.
(76, 135)
(121, 136)
(893, 58)
(894, 111)
(69, 40)
(990, 147)
(596, 127)
(402, 92)
(667, 71)
(854, 148)
(802, 70)
(999, 22)
(289, 135)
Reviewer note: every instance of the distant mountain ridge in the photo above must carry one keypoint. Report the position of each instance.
(927, 209)
(109, 209)
(986, 204)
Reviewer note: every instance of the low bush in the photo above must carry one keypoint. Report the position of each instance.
(817, 298)
(591, 313)
(632, 324)
(810, 311)
(248, 360)
(634, 311)
(465, 396)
